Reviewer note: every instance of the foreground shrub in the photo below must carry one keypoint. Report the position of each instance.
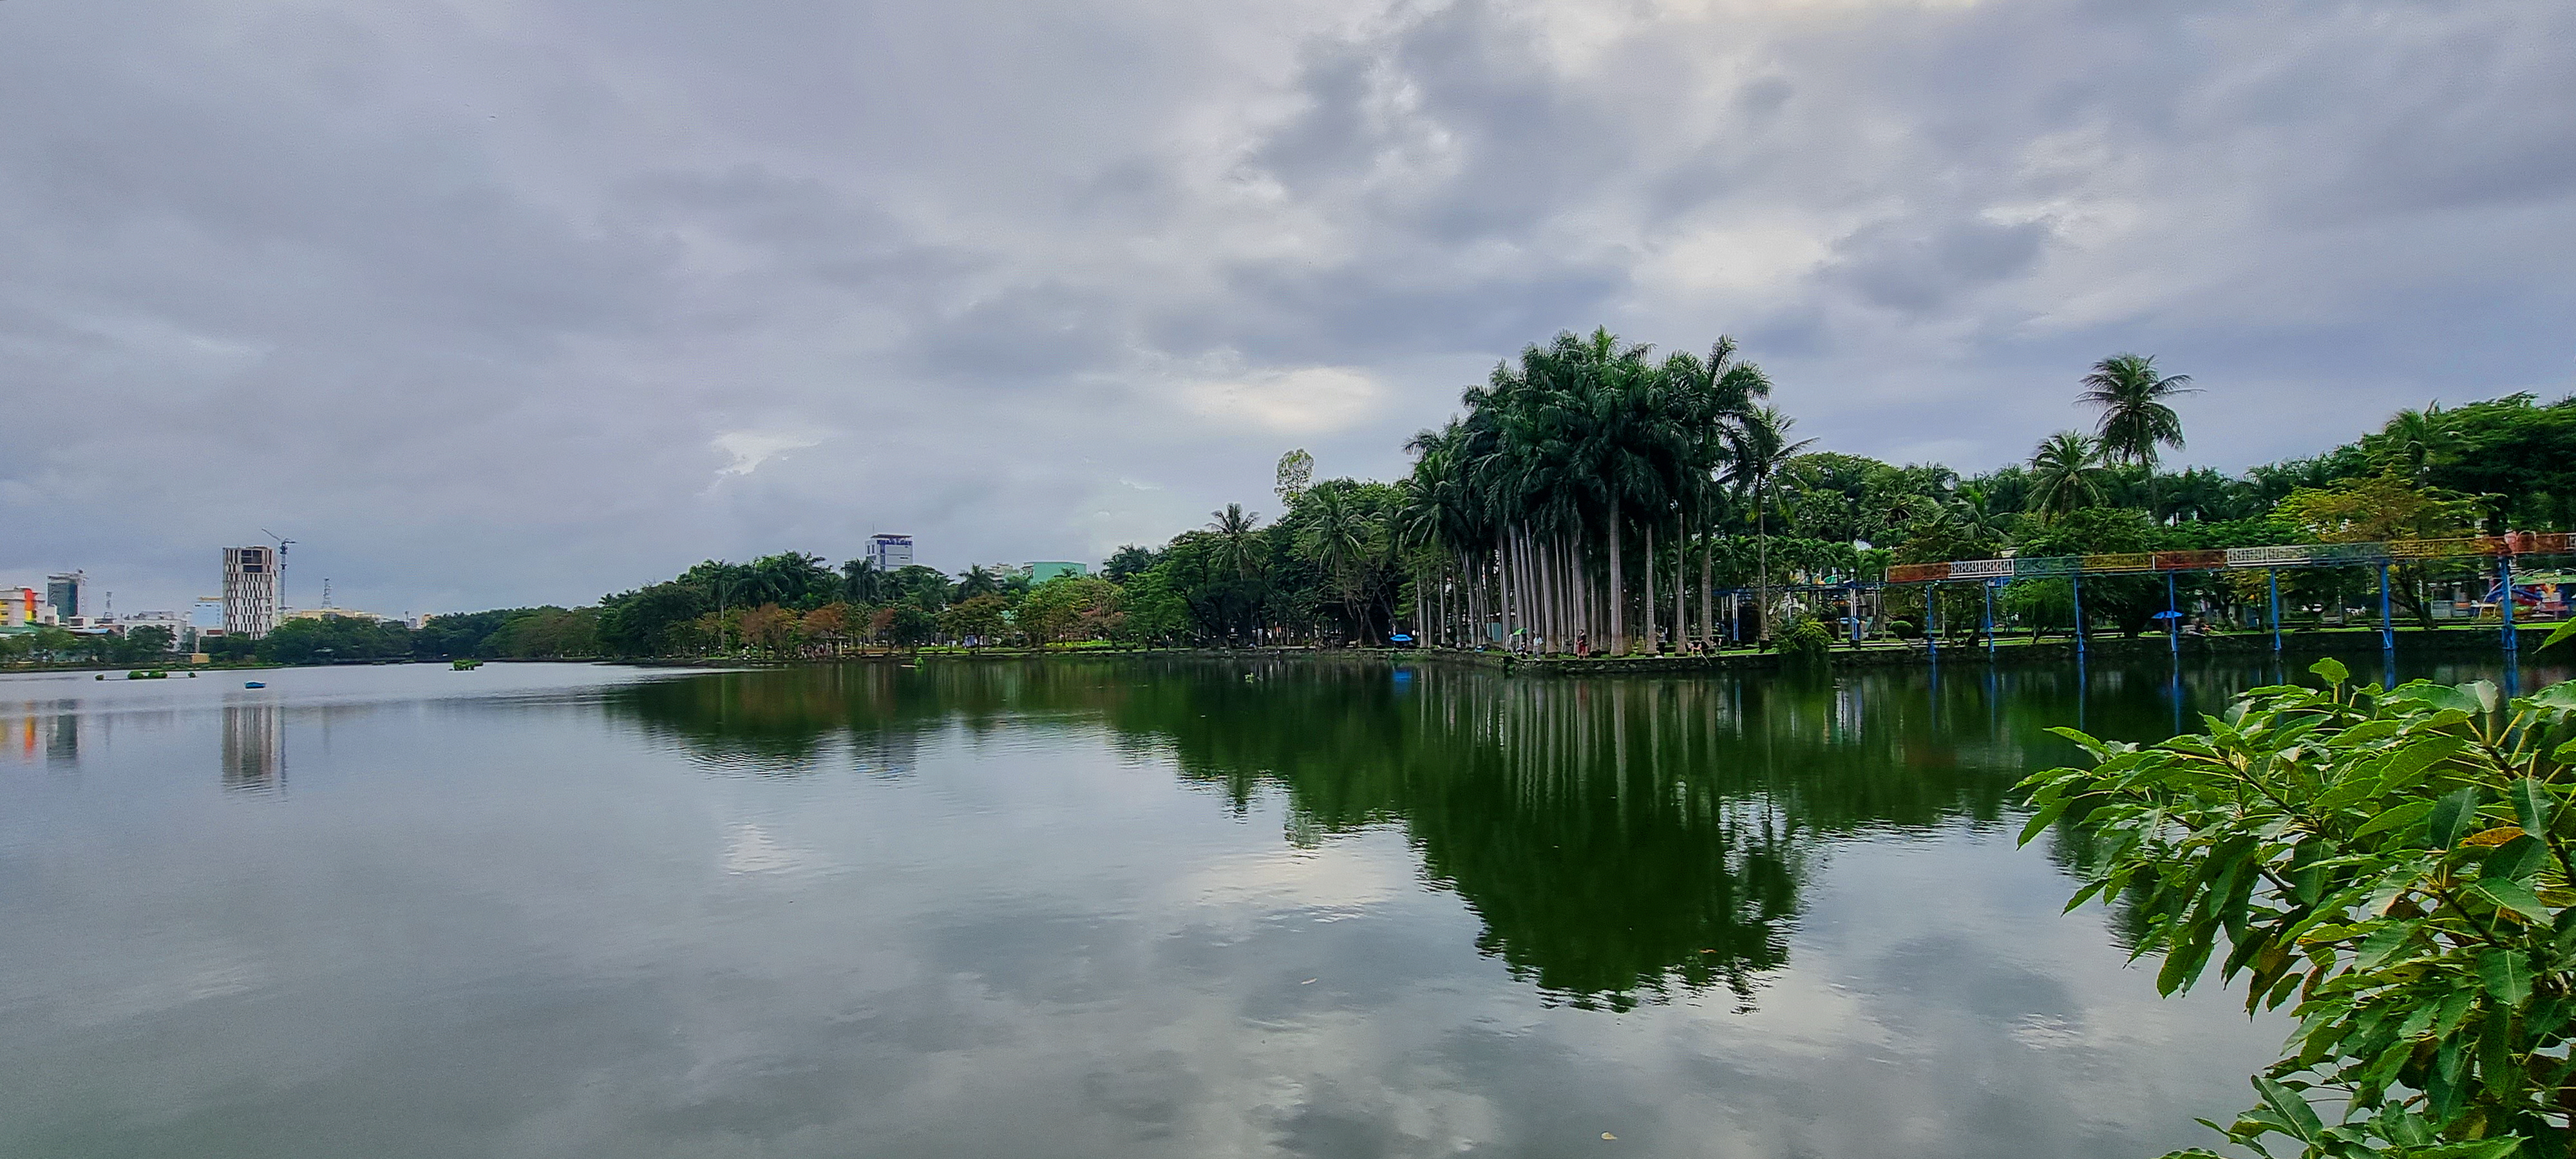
(2396, 861)
(1806, 639)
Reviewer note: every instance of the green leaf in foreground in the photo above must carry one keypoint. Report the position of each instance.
(2507, 974)
(2388, 863)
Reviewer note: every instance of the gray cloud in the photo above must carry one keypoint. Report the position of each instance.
(483, 300)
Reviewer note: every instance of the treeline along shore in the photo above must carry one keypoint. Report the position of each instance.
(1594, 499)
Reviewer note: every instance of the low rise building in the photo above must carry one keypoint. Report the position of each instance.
(25, 608)
(1040, 571)
(182, 633)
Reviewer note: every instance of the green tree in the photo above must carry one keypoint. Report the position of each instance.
(975, 581)
(2414, 443)
(545, 634)
(2066, 474)
(983, 618)
(1126, 562)
(334, 639)
(145, 644)
(1064, 608)
(908, 626)
(1155, 615)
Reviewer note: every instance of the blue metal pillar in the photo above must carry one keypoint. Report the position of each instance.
(2387, 626)
(1989, 586)
(2275, 580)
(1932, 619)
(2504, 600)
(2077, 582)
(2173, 623)
(1851, 603)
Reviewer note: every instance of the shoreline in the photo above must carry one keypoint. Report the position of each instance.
(2443, 642)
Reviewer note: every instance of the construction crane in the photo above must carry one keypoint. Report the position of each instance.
(282, 544)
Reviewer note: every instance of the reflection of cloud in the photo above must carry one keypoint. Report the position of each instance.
(1292, 879)
(209, 972)
(751, 849)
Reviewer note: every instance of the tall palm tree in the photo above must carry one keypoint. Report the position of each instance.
(2066, 474)
(861, 582)
(2137, 411)
(2414, 442)
(1726, 391)
(1238, 542)
(1758, 450)
(1341, 539)
(975, 581)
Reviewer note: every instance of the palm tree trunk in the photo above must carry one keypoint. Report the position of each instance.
(1543, 595)
(1569, 587)
(1418, 612)
(1618, 588)
(1762, 549)
(1708, 583)
(1523, 591)
(1681, 561)
(1648, 609)
(1551, 586)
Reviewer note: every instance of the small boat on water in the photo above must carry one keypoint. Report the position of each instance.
(254, 684)
(465, 665)
(147, 674)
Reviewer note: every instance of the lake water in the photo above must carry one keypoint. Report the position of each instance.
(1076, 909)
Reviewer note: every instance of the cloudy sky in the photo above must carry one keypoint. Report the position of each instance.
(509, 301)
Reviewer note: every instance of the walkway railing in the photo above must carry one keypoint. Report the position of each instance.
(2287, 555)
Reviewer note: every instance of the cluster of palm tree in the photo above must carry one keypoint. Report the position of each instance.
(1563, 470)
(1536, 507)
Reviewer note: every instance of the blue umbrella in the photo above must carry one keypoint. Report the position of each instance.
(2166, 616)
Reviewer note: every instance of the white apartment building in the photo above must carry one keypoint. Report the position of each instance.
(250, 590)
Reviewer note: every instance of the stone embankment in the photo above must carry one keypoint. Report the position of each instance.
(2461, 642)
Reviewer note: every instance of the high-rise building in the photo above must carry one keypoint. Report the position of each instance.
(68, 592)
(1046, 569)
(890, 551)
(250, 590)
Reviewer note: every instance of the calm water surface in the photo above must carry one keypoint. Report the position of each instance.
(1077, 909)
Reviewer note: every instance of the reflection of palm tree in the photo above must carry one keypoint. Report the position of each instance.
(1758, 449)
(2065, 474)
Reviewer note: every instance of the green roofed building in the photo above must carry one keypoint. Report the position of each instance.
(1040, 571)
